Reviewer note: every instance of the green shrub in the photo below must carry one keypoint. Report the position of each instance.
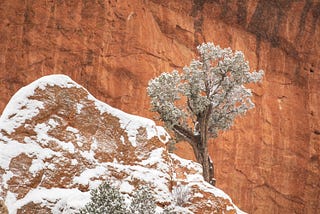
(143, 202)
(106, 199)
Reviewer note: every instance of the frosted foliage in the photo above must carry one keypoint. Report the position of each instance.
(181, 195)
(105, 200)
(165, 91)
(143, 202)
(213, 84)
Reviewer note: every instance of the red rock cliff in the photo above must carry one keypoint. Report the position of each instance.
(269, 162)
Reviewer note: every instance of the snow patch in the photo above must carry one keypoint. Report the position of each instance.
(53, 123)
(156, 158)
(122, 139)
(13, 148)
(132, 123)
(85, 176)
(57, 198)
(125, 187)
(36, 166)
(6, 177)
(79, 108)
(73, 130)
(74, 162)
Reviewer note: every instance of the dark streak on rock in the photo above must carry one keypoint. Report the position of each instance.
(225, 9)
(242, 12)
(303, 16)
(197, 7)
(316, 16)
(265, 24)
(258, 48)
(196, 13)
(294, 199)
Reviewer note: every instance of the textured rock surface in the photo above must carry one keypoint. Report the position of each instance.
(114, 48)
(3, 208)
(57, 142)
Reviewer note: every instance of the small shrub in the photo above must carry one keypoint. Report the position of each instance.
(181, 195)
(105, 200)
(143, 202)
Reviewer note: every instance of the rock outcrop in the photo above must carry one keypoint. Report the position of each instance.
(57, 142)
(269, 162)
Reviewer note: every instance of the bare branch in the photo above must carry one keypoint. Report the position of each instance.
(185, 134)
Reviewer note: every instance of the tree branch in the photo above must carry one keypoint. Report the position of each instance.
(189, 105)
(185, 134)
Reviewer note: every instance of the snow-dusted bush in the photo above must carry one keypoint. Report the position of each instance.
(181, 195)
(106, 199)
(143, 202)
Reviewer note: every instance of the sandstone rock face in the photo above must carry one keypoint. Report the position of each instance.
(269, 162)
(3, 208)
(57, 142)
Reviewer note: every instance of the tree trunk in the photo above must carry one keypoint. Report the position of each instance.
(202, 156)
(200, 148)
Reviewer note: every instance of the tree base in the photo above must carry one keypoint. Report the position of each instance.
(213, 182)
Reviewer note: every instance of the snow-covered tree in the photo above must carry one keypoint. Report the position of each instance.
(143, 202)
(205, 98)
(106, 199)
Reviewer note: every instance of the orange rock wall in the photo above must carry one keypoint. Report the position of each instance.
(269, 162)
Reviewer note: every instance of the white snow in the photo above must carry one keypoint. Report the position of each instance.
(88, 155)
(79, 108)
(44, 138)
(187, 163)
(42, 132)
(155, 158)
(74, 162)
(67, 146)
(11, 119)
(73, 130)
(122, 139)
(53, 123)
(131, 123)
(50, 197)
(125, 187)
(86, 175)
(162, 133)
(36, 166)
(6, 177)
(198, 195)
(13, 148)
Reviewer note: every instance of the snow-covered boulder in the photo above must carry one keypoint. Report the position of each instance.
(57, 142)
